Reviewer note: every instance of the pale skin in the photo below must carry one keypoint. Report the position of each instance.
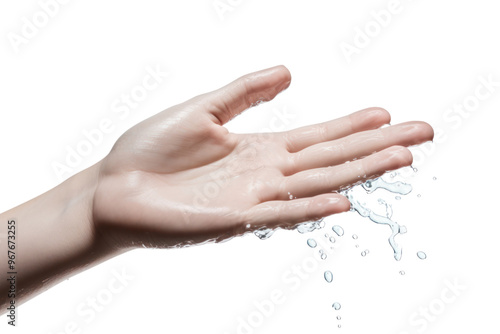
(180, 178)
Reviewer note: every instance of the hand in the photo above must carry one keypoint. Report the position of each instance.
(180, 177)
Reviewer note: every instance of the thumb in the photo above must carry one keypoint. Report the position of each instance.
(246, 91)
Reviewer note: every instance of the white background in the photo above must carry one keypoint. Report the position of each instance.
(428, 58)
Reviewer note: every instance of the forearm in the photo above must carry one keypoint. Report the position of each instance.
(54, 238)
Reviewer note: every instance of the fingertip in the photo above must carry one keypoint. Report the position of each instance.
(370, 118)
(400, 156)
(427, 130)
(417, 132)
(344, 204)
(281, 75)
(333, 203)
(381, 114)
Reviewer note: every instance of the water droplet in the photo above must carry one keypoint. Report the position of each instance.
(322, 254)
(328, 276)
(264, 234)
(354, 236)
(336, 306)
(248, 226)
(402, 229)
(415, 170)
(339, 317)
(326, 235)
(368, 184)
(402, 272)
(421, 255)
(357, 246)
(332, 239)
(338, 230)
(419, 195)
(340, 326)
(363, 253)
(398, 197)
(434, 178)
(312, 243)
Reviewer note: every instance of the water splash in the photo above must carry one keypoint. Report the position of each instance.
(395, 227)
(328, 276)
(388, 208)
(397, 187)
(264, 234)
(310, 226)
(322, 254)
(338, 230)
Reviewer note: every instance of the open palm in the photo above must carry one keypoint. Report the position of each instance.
(180, 177)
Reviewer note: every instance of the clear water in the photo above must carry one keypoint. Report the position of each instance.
(264, 234)
(421, 255)
(397, 187)
(338, 230)
(388, 207)
(328, 276)
(310, 226)
(322, 254)
(312, 243)
(379, 219)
